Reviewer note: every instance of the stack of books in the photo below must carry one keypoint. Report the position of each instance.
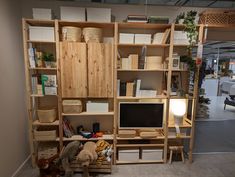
(130, 88)
(161, 38)
(137, 18)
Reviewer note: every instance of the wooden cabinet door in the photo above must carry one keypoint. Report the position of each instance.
(100, 70)
(73, 57)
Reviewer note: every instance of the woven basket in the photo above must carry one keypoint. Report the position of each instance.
(92, 34)
(72, 106)
(217, 17)
(71, 33)
(46, 115)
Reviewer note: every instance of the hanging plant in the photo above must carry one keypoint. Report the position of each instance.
(191, 28)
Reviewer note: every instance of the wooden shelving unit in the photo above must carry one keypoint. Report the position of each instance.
(89, 86)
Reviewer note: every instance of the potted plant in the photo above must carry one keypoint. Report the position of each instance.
(180, 18)
(49, 60)
(189, 61)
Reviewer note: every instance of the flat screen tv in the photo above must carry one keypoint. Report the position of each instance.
(141, 115)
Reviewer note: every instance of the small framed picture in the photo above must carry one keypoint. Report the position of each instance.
(176, 62)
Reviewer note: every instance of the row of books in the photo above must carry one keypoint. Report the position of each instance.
(131, 62)
(145, 19)
(44, 84)
(161, 38)
(132, 89)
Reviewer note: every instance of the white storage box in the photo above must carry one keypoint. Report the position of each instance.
(76, 14)
(97, 107)
(126, 38)
(128, 155)
(98, 15)
(142, 38)
(152, 154)
(180, 38)
(42, 14)
(38, 33)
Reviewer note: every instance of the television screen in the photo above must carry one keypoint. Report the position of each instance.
(141, 115)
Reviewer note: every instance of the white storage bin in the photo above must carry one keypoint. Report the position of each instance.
(38, 33)
(142, 38)
(152, 154)
(126, 38)
(98, 15)
(76, 14)
(128, 155)
(97, 107)
(42, 14)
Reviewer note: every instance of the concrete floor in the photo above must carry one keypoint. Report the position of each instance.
(210, 165)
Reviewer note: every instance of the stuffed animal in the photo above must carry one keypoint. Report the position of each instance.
(48, 167)
(88, 154)
(68, 154)
(104, 151)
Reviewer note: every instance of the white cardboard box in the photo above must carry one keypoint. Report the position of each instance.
(39, 33)
(126, 38)
(142, 38)
(152, 154)
(42, 14)
(97, 107)
(98, 15)
(76, 14)
(128, 155)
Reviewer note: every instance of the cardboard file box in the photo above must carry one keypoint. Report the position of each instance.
(76, 14)
(128, 155)
(97, 107)
(42, 14)
(142, 38)
(38, 33)
(98, 15)
(152, 154)
(126, 38)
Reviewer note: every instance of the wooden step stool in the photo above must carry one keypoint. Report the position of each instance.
(176, 149)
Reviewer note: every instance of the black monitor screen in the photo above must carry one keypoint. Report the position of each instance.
(141, 115)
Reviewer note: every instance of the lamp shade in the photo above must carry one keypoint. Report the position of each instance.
(178, 107)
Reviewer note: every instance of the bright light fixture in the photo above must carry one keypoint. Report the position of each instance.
(178, 107)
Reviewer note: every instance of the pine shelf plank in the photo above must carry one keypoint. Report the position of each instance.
(138, 162)
(186, 123)
(141, 45)
(42, 68)
(140, 145)
(139, 138)
(138, 98)
(46, 42)
(80, 138)
(143, 25)
(37, 123)
(142, 70)
(89, 114)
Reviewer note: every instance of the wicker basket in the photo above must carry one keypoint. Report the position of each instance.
(71, 33)
(92, 34)
(72, 106)
(217, 17)
(44, 134)
(46, 115)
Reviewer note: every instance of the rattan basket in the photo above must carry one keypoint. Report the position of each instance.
(217, 17)
(92, 34)
(71, 33)
(46, 115)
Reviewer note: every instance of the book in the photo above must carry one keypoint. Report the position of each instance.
(34, 83)
(122, 88)
(31, 54)
(134, 61)
(118, 87)
(129, 88)
(125, 63)
(138, 83)
(137, 18)
(166, 36)
(49, 84)
(141, 61)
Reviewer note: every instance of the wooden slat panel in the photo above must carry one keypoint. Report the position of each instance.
(100, 70)
(73, 69)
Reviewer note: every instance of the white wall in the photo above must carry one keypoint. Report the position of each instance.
(14, 147)
(119, 11)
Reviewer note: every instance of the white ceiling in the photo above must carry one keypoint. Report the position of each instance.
(189, 3)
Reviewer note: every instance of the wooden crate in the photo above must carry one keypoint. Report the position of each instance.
(217, 17)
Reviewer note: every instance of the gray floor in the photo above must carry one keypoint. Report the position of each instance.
(213, 165)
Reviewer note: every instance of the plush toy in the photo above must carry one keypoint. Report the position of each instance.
(88, 154)
(104, 151)
(68, 154)
(48, 167)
